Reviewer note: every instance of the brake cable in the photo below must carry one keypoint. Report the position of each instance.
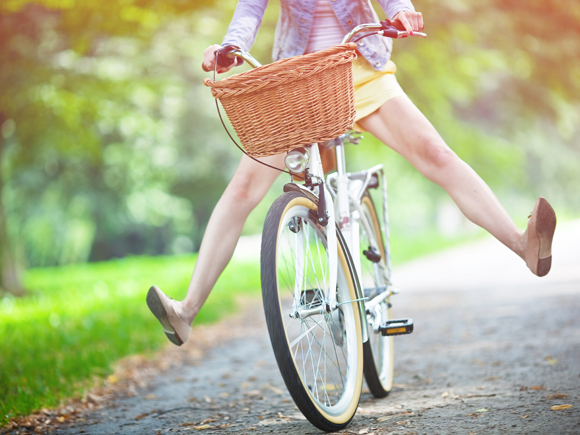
(232, 138)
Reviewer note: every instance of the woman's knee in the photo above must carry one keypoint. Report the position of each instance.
(435, 155)
(244, 190)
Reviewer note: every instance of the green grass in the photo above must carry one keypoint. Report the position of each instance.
(78, 320)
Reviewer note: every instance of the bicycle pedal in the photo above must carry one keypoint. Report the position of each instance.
(397, 327)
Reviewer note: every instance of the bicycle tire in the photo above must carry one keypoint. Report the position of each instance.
(328, 396)
(378, 350)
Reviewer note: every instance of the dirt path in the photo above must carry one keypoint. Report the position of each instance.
(493, 351)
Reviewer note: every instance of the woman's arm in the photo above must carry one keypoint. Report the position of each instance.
(241, 32)
(245, 23)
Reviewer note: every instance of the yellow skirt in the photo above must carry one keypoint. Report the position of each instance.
(372, 88)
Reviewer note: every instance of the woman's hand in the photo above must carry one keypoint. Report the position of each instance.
(209, 60)
(410, 21)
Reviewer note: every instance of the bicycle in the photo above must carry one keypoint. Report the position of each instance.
(326, 276)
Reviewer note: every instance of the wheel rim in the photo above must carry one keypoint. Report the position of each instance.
(324, 345)
(373, 276)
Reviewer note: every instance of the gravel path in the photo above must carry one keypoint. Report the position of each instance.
(494, 349)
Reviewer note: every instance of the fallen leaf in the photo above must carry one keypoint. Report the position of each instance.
(551, 361)
(560, 407)
(481, 410)
(524, 416)
(223, 426)
(444, 394)
(224, 394)
(492, 378)
(402, 422)
(523, 388)
(188, 424)
(363, 431)
(276, 390)
(207, 399)
(112, 379)
(252, 379)
(246, 385)
(140, 416)
(61, 419)
(384, 418)
(193, 399)
(150, 396)
(330, 387)
(95, 398)
(203, 427)
(556, 396)
(208, 420)
(537, 387)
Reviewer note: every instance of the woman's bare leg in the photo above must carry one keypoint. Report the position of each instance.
(400, 125)
(246, 189)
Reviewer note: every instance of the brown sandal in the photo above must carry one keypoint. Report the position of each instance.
(162, 306)
(540, 232)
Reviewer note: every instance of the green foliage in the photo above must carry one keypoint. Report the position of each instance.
(80, 319)
(112, 145)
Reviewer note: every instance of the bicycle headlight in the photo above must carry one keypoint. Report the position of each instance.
(297, 160)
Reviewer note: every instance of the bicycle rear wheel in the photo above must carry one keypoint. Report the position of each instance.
(319, 352)
(379, 349)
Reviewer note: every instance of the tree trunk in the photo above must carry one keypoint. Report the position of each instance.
(9, 271)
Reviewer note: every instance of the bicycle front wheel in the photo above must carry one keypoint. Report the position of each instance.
(379, 349)
(318, 350)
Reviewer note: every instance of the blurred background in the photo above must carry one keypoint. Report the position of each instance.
(111, 147)
(110, 143)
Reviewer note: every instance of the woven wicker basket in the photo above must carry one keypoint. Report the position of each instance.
(292, 102)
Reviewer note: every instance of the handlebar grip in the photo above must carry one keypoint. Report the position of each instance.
(391, 33)
(222, 59)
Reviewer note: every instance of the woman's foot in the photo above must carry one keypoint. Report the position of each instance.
(167, 312)
(539, 235)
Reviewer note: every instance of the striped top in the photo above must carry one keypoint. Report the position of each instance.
(326, 30)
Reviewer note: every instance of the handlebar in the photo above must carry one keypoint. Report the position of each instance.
(385, 28)
(230, 53)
